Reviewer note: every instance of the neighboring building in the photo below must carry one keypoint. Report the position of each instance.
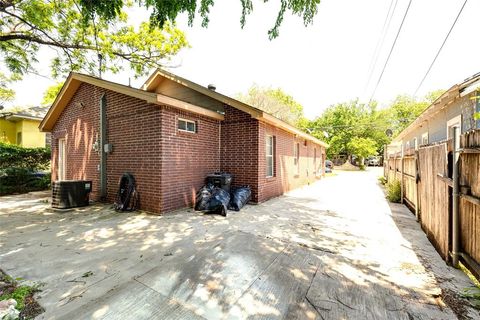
(170, 134)
(455, 107)
(21, 128)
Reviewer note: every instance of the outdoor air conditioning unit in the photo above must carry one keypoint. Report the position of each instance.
(71, 193)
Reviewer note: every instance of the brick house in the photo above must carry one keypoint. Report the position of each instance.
(170, 134)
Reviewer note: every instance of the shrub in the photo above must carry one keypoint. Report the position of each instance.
(20, 180)
(13, 156)
(394, 191)
(382, 180)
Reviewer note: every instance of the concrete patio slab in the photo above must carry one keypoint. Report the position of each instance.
(335, 249)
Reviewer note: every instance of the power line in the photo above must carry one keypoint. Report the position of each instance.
(380, 42)
(441, 47)
(390, 53)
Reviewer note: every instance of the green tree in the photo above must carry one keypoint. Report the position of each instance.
(6, 94)
(82, 43)
(403, 110)
(167, 11)
(275, 102)
(343, 122)
(362, 148)
(51, 93)
(433, 95)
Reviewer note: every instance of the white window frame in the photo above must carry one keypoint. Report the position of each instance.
(62, 163)
(186, 125)
(415, 143)
(296, 157)
(296, 148)
(454, 122)
(425, 136)
(269, 154)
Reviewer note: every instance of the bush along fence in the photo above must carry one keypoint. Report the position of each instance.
(441, 184)
(23, 169)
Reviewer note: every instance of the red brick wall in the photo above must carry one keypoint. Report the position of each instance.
(170, 165)
(186, 157)
(132, 129)
(79, 125)
(243, 155)
(286, 175)
(240, 148)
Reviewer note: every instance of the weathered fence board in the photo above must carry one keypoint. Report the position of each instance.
(434, 197)
(409, 181)
(434, 191)
(470, 185)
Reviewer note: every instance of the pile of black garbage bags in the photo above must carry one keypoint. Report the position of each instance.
(213, 199)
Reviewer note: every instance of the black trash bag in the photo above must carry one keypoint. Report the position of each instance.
(240, 197)
(218, 203)
(127, 198)
(203, 197)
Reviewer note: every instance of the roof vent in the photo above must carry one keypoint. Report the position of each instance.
(212, 87)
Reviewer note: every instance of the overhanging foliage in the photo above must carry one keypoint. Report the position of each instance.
(13, 156)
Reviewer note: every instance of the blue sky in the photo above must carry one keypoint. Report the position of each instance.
(323, 63)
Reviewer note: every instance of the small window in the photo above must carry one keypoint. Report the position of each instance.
(270, 156)
(425, 138)
(187, 125)
(19, 138)
(296, 157)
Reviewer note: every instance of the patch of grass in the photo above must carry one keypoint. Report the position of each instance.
(19, 294)
(469, 274)
(394, 191)
(22, 294)
(382, 180)
(471, 293)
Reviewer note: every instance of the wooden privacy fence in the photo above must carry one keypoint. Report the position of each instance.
(426, 179)
(404, 169)
(469, 168)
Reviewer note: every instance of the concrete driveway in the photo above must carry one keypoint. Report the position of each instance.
(332, 250)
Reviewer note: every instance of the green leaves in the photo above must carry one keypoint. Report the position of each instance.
(164, 11)
(362, 147)
(78, 32)
(277, 103)
(6, 94)
(343, 122)
(346, 123)
(51, 93)
(15, 156)
(404, 110)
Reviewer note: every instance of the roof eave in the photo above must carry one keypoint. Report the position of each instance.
(254, 112)
(70, 87)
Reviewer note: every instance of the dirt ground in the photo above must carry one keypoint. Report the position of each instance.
(332, 250)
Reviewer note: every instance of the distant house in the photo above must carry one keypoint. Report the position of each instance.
(170, 134)
(21, 128)
(455, 107)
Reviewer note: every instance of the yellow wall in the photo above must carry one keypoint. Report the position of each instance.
(8, 131)
(31, 135)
